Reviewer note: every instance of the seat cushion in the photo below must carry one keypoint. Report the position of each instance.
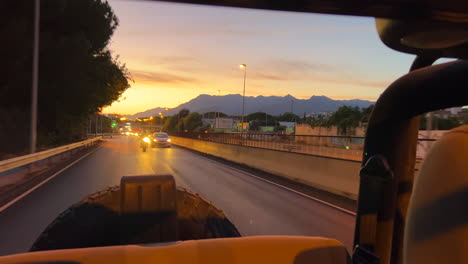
(437, 224)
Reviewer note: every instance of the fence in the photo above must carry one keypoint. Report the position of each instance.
(342, 147)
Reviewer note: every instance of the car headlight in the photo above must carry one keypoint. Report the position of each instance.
(146, 139)
(169, 140)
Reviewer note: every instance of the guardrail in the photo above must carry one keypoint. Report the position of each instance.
(103, 135)
(12, 163)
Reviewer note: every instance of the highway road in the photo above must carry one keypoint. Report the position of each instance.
(256, 207)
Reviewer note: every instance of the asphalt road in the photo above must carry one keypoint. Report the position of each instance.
(256, 207)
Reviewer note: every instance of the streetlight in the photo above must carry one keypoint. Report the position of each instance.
(35, 77)
(243, 67)
(217, 107)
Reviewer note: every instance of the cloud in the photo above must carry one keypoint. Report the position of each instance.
(352, 82)
(177, 63)
(264, 76)
(197, 32)
(171, 59)
(295, 65)
(160, 77)
(301, 70)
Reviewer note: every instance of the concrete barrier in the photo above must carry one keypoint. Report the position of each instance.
(337, 176)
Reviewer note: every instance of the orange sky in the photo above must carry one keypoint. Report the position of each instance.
(176, 52)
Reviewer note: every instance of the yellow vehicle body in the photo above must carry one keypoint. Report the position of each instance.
(266, 249)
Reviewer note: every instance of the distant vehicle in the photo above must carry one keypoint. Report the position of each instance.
(161, 139)
(158, 139)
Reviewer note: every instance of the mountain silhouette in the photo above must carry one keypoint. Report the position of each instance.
(275, 105)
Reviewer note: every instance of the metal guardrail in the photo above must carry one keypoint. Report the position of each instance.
(12, 163)
(103, 135)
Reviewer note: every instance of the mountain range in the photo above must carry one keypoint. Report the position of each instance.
(275, 105)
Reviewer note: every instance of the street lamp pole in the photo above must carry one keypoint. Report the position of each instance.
(35, 77)
(217, 106)
(244, 67)
(95, 125)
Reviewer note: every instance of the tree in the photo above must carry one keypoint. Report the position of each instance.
(175, 122)
(345, 118)
(259, 116)
(170, 124)
(366, 112)
(78, 75)
(213, 115)
(183, 113)
(192, 122)
(289, 117)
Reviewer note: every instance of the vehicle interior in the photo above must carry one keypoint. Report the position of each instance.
(400, 218)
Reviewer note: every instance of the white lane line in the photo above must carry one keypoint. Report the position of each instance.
(284, 187)
(43, 182)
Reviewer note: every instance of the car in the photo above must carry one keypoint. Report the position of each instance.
(160, 139)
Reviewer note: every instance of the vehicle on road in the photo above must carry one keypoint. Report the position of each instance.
(400, 218)
(145, 142)
(161, 139)
(158, 139)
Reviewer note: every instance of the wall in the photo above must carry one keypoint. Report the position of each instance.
(333, 175)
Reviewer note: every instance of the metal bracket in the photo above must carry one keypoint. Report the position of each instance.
(361, 255)
(148, 207)
(374, 175)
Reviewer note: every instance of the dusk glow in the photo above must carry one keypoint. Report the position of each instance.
(176, 52)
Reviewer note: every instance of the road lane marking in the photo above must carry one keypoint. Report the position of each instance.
(5, 206)
(284, 187)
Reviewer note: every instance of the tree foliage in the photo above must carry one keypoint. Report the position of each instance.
(170, 124)
(192, 122)
(346, 118)
(214, 115)
(289, 117)
(179, 123)
(258, 116)
(78, 75)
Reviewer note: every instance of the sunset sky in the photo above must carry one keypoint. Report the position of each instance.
(176, 52)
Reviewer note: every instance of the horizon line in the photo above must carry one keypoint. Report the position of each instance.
(253, 96)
